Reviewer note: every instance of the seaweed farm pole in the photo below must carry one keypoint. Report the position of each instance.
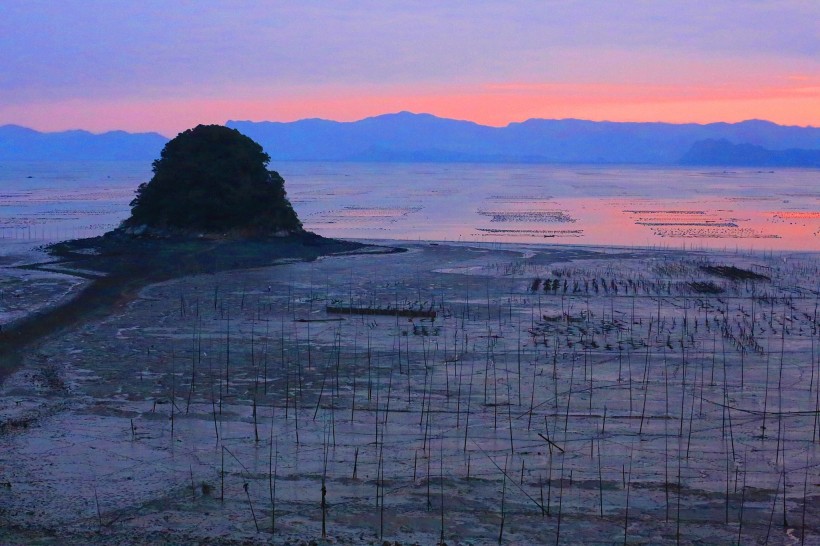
(97, 504)
(321, 391)
(628, 489)
(173, 391)
(487, 363)
(569, 397)
(296, 418)
(337, 341)
(666, 435)
(785, 521)
(591, 391)
(265, 359)
(532, 397)
(467, 300)
(353, 400)
(774, 505)
(780, 377)
(509, 418)
(714, 356)
(629, 369)
(495, 393)
(213, 399)
(460, 371)
(429, 456)
(324, 489)
(731, 430)
(389, 395)
(272, 481)
(816, 393)
(423, 395)
(805, 491)
(742, 502)
(196, 352)
(376, 446)
(298, 358)
(645, 390)
(680, 492)
(727, 483)
(247, 494)
(560, 502)
(689, 436)
(469, 401)
(228, 354)
(407, 375)
(380, 471)
(381, 504)
(555, 371)
(369, 367)
(503, 499)
(441, 484)
(766, 398)
(600, 481)
(284, 365)
(519, 361)
(549, 485)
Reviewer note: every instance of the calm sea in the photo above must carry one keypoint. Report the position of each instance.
(746, 209)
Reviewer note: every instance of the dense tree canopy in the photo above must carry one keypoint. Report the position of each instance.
(212, 178)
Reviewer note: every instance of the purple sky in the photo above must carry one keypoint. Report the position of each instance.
(166, 66)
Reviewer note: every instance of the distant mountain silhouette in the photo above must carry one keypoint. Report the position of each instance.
(20, 143)
(408, 137)
(722, 152)
(422, 137)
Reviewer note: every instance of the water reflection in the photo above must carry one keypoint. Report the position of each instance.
(628, 206)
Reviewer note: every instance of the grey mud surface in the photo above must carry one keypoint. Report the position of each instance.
(632, 406)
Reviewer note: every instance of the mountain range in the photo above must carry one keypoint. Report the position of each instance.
(408, 137)
(24, 144)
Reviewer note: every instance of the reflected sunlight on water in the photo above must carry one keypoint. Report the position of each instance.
(614, 205)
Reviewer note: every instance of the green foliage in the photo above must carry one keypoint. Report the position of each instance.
(213, 178)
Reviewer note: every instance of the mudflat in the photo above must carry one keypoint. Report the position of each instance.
(455, 393)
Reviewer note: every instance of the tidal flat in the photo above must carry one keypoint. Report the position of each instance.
(456, 393)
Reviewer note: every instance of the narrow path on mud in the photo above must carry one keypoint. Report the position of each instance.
(130, 265)
(95, 300)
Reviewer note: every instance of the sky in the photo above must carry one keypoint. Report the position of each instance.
(167, 66)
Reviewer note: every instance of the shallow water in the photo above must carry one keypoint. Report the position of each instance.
(592, 205)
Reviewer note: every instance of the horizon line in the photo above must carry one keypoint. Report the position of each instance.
(408, 112)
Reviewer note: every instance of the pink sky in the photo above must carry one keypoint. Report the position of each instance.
(155, 67)
(487, 105)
